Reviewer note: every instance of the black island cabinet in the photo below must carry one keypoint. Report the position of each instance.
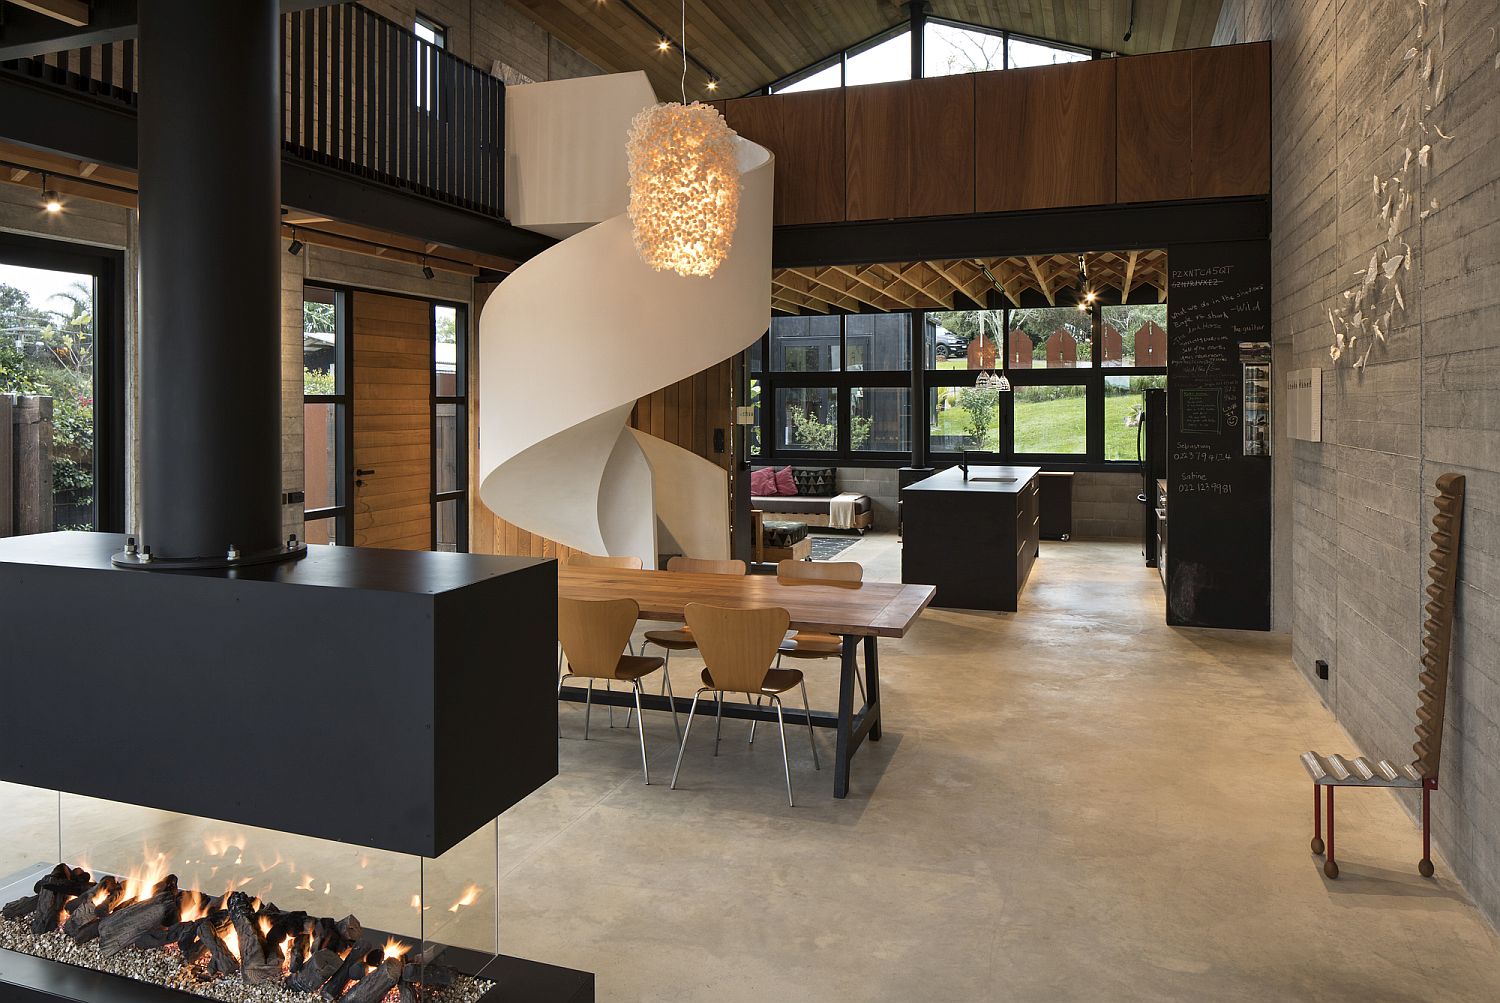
(973, 537)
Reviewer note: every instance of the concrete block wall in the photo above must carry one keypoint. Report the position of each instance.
(880, 483)
(1353, 511)
(1105, 506)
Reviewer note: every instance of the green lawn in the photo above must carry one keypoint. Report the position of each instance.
(1055, 426)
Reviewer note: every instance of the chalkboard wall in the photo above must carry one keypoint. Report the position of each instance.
(1218, 499)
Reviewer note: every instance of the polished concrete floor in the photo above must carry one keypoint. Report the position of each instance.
(1073, 802)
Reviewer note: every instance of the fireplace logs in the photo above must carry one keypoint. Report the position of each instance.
(186, 940)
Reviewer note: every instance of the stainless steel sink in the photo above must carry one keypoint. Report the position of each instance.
(994, 480)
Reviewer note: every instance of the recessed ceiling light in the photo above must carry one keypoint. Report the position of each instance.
(664, 45)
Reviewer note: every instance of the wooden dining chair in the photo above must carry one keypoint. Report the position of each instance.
(623, 562)
(737, 647)
(814, 644)
(593, 633)
(681, 638)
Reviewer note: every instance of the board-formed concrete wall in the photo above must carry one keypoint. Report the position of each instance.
(1358, 504)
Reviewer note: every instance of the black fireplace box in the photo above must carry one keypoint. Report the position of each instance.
(389, 699)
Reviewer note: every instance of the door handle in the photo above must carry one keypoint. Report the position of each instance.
(359, 477)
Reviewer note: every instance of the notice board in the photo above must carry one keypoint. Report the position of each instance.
(1218, 499)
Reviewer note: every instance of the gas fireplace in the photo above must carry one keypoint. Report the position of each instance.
(234, 912)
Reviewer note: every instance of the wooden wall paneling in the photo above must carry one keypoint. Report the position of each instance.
(941, 182)
(877, 135)
(1231, 88)
(393, 421)
(810, 163)
(1153, 127)
(1045, 137)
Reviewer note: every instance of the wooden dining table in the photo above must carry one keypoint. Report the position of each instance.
(857, 613)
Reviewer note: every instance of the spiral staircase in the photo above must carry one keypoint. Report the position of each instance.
(572, 337)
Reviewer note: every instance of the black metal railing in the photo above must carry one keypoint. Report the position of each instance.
(360, 94)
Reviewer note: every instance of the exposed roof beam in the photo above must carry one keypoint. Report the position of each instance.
(1043, 283)
(1129, 275)
(811, 286)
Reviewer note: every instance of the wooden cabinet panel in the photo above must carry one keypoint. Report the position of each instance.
(1231, 87)
(1045, 137)
(806, 133)
(942, 147)
(877, 133)
(909, 147)
(1153, 126)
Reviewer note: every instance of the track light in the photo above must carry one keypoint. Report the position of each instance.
(664, 45)
(295, 247)
(427, 271)
(51, 201)
(713, 83)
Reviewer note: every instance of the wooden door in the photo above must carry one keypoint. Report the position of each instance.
(392, 422)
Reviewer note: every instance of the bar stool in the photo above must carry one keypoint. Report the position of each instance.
(737, 647)
(592, 633)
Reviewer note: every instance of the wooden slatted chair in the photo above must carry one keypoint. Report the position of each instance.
(1437, 641)
(737, 647)
(593, 633)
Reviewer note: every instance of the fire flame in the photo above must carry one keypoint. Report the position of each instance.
(140, 880)
(469, 897)
(231, 938)
(265, 926)
(192, 906)
(395, 949)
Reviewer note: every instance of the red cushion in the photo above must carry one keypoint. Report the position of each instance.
(786, 484)
(762, 482)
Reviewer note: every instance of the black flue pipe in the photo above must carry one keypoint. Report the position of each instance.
(210, 198)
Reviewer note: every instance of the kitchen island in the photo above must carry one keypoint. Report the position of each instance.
(974, 538)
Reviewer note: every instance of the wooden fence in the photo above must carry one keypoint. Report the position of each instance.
(25, 465)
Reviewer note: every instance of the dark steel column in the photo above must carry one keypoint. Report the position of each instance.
(210, 196)
(918, 10)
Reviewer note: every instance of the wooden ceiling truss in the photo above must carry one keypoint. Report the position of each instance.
(967, 283)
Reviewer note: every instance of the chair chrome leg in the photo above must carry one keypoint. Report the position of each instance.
(753, 722)
(806, 707)
(718, 719)
(561, 677)
(666, 685)
(588, 708)
(786, 762)
(685, 732)
(666, 668)
(645, 765)
(609, 688)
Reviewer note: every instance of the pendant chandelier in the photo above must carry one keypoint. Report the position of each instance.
(684, 183)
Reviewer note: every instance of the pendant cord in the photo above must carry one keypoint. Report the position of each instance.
(684, 52)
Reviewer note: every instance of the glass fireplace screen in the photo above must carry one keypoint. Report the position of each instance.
(191, 903)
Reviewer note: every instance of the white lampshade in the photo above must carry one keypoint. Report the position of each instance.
(684, 187)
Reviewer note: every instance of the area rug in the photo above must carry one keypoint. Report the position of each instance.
(826, 548)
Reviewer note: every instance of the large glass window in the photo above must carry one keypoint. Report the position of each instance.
(949, 49)
(963, 418)
(47, 357)
(1123, 404)
(884, 61)
(808, 419)
(829, 76)
(1059, 338)
(1051, 420)
(450, 453)
(806, 345)
(880, 419)
(1133, 336)
(963, 339)
(1022, 52)
(325, 399)
(878, 342)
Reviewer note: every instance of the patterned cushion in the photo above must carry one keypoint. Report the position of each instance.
(816, 482)
(783, 534)
(762, 482)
